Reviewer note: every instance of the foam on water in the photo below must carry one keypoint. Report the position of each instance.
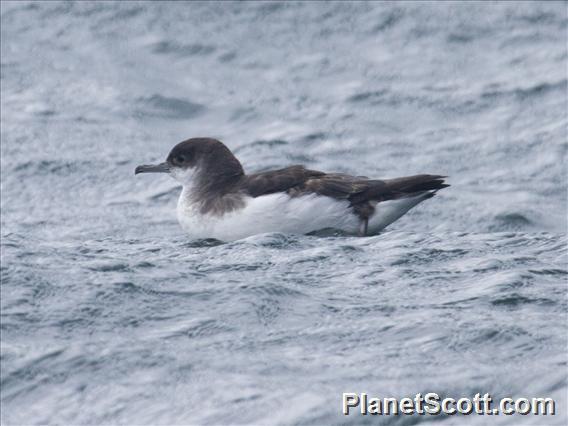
(111, 315)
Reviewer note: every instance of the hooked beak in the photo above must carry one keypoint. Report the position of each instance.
(153, 168)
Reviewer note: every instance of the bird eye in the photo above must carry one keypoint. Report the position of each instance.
(180, 159)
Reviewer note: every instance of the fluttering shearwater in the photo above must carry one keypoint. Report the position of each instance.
(219, 200)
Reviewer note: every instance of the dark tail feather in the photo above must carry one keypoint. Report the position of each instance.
(418, 183)
(392, 189)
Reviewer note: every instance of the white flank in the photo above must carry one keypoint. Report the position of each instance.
(386, 212)
(281, 213)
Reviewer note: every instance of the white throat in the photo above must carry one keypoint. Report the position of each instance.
(187, 205)
(187, 177)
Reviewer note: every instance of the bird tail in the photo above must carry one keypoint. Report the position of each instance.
(411, 185)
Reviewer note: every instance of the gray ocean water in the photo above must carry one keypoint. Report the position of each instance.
(111, 315)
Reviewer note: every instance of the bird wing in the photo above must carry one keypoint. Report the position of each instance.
(297, 180)
(360, 191)
(281, 180)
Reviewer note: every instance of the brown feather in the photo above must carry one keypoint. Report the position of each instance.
(362, 193)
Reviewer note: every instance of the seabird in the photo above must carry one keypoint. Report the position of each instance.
(220, 201)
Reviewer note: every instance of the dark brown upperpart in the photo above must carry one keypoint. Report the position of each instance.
(361, 192)
(221, 182)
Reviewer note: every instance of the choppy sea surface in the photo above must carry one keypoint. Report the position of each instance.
(111, 315)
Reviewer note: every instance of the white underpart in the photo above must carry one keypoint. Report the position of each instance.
(281, 213)
(386, 212)
(267, 213)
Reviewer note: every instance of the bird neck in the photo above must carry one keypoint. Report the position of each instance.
(213, 190)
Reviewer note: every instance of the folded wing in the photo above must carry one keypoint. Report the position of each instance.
(362, 193)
